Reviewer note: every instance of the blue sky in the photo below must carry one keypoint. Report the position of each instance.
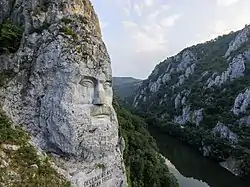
(141, 33)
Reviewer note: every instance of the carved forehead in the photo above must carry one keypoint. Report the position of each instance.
(103, 72)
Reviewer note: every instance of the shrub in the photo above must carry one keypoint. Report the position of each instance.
(10, 37)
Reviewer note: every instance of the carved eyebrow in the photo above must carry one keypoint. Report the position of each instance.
(90, 78)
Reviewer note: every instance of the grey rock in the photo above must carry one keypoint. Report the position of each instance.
(183, 100)
(181, 80)
(121, 144)
(225, 133)
(154, 87)
(177, 101)
(240, 39)
(190, 70)
(3, 164)
(204, 74)
(197, 116)
(232, 165)
(246, 54)
(244, 121)
(10, 147)
(61, 91)
(4, 9)
(187, 58)
(235, 69)
(206, 150)
(184, 118)
(166, 78)
(241, 102)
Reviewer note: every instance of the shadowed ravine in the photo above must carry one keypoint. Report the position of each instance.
(190, 168)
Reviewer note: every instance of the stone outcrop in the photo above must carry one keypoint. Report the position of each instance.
(235, 69)
(240, 39)
(224, 132)
(186, 60)
(61, 91)
(187, 115)
(241, 102)
(232, 165)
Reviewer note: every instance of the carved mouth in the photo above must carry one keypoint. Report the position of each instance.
(101, 116)
(100, 112)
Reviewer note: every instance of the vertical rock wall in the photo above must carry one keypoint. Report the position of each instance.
(60, 89)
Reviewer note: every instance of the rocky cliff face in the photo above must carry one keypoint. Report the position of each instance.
(57, 85)
(204, 92)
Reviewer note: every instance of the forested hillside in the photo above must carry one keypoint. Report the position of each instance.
(202, 96)
(125, 86)
(145, 167)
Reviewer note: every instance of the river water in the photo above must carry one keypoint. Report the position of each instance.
(192, 169)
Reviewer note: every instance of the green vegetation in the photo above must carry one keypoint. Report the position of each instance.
(10, 37)
(4, 76)
(158, 109)
(68, 31)
(39, 30)
(125, 86)
(66, 20)
(100, 165)
(20, 163)
(145, 167)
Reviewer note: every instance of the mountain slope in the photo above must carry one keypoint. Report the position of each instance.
(125, 86)
(20, 163)
(144, 165)
(202, 95)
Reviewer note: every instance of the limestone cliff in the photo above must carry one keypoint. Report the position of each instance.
(202, 96)
(58, 86)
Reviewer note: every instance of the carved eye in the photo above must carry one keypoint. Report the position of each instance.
(107, 85)
(87, 83)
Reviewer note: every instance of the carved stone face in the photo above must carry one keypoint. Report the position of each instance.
(77, 107)
(94, 94)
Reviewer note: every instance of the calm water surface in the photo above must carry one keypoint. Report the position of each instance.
(190, 168)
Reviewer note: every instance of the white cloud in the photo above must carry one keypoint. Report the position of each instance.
(148, 3)
(125, 5)
(129, 25)
(150, 37)
(138, 9)
(157, 34)
(164, 7)
(153, 15)
(170, 21)
(220, 27)
(226, 2)
(150, 31)
(145, 38)
(127, 11)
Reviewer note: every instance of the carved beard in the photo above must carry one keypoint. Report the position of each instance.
(72, 129)
(96, 135)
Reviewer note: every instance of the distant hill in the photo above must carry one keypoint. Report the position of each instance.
(202, 96)
(125, 86)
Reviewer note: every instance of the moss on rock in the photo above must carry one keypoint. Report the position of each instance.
(20, 164)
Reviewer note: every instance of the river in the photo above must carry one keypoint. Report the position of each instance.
(192, 169)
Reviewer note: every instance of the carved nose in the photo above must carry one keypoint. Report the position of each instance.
(99, 98)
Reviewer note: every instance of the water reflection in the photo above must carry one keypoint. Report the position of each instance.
(182, 180)
(191, 164)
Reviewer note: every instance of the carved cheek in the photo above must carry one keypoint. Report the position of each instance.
(86, 95)
(109, 95)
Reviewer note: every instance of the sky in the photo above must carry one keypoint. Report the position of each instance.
(141, 33)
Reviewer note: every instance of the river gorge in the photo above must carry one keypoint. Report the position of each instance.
(190, 168)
